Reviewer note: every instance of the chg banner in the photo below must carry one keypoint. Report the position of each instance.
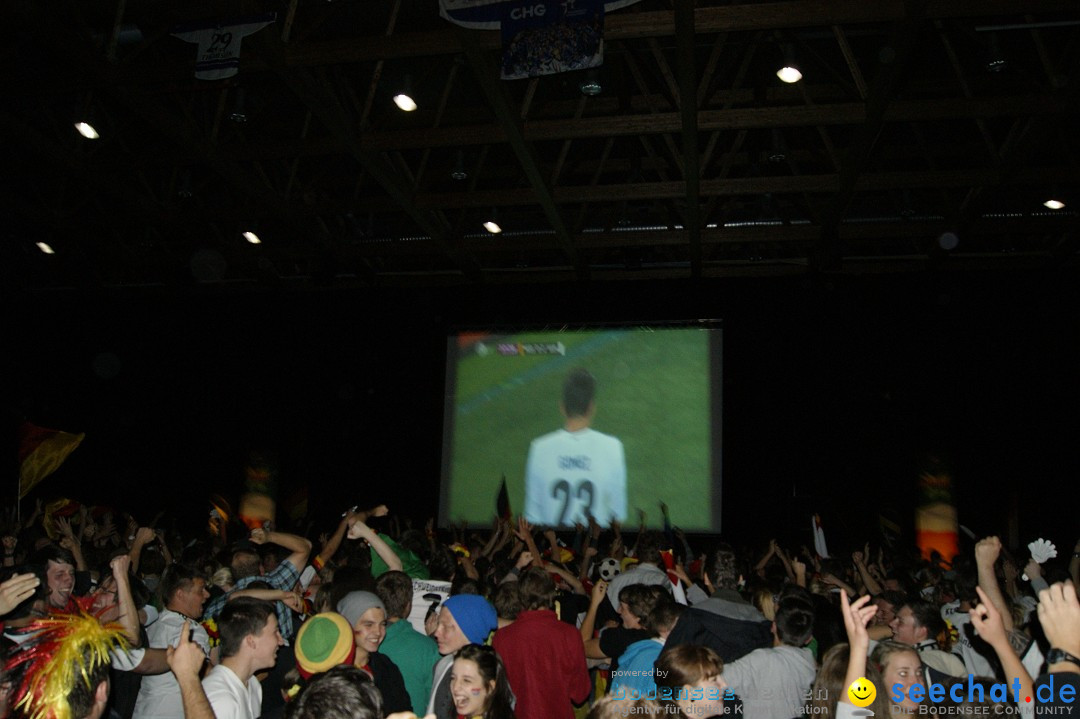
(544, 37)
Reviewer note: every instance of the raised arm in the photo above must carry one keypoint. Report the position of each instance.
(143, 536)
(567, 576)
(186, 661)
(329, 549)
(1074, 564)
(986, 553)
(868, 580)
(299, 547)
(1059, 614)
(359, 530)
(856, 616)
(129, 615)
(987, 622)
(16, 590)
(759, 568)
(291, 599)
(69, 542)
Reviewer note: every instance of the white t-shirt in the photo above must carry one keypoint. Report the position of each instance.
(974, 662)
(159, 696)
(570, 473)
(229, 697)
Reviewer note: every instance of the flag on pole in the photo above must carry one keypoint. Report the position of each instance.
(41, 452)
(819, 537)
(502, 502)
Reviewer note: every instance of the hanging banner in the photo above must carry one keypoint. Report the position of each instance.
(544, 37)
(257, 504)
(489, 14)
(219, 43)
(935, 516)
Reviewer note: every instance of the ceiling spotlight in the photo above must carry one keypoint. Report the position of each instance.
(251, 237)
(590, 84)
(492, 223)
(184, 190)
(948, 241)
(995, 58)
(46, 248)
(459, 173)
(238, 115)
(1054, 204)
(87, 130)
(403, 99)
(778, 152)
(789, 72)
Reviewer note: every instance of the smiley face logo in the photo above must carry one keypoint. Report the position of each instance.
(862, 692)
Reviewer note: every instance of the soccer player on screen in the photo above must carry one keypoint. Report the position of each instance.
(575, 472)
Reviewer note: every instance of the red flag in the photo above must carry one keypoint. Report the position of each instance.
(41, 452)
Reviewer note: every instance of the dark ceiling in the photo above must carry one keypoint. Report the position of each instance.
(913, 118)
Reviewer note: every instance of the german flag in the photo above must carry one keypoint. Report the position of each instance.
(41, 452)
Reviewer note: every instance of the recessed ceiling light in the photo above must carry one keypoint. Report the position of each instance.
(46, 248)
(404, 102)
(252, 237)
(87, 130)
(493, 227)
(789, 74)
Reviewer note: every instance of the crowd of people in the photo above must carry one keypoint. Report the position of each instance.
(381, 619)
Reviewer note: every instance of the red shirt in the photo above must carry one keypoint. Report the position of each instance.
(545, 665)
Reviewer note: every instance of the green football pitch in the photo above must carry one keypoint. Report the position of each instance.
(652, 393)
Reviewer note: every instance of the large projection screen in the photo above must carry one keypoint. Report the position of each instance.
(585, 421)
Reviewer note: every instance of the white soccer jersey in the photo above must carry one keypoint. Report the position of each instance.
(571, 474)
(219, 44)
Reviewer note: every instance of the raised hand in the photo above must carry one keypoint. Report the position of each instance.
(16, 590)
(64, 526)
(258, 536)
(1059, 614)
(120, 565)
(857, 615)
(987, 621)
(359, 530)
(186, 659)
(599, 591)
(987, 550)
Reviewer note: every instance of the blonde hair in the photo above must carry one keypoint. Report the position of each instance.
(765, 603)
(222, 578)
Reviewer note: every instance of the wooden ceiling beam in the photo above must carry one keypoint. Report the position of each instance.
(661, 23)
(487, 75)
(729, 187)
(848, 113)
(691, 160)
(883, 89)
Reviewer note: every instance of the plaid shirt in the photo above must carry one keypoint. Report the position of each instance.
(284, 577)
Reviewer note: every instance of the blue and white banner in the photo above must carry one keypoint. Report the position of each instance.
(489, 14)
(544, 37)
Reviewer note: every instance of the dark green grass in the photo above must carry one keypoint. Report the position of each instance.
(652, 393)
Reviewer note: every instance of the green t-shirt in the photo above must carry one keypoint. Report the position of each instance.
(410, 563)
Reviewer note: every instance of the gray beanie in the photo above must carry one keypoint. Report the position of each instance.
(353, 605)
